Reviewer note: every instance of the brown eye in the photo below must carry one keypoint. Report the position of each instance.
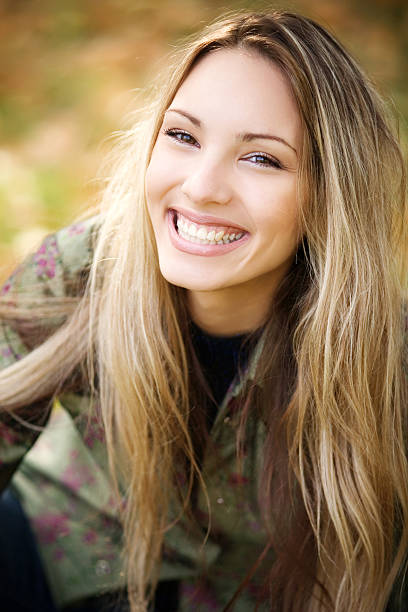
(181, 136)
(261, 159)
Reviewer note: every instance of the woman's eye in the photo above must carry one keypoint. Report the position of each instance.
(261, 159)
(181, 136)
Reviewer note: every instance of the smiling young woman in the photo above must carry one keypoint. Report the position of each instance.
(227, 340)
(225, 166)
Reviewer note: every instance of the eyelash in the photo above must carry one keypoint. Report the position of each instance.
(269, 161)
(175, 134)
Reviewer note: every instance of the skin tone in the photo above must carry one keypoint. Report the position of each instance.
(226, 160)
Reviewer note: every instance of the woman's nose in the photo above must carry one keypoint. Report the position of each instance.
(207, 182)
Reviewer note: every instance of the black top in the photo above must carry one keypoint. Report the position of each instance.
(220, 357)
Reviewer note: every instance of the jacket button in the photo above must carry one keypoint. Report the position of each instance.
(102, 567)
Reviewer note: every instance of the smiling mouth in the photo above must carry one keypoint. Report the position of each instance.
(205, 234)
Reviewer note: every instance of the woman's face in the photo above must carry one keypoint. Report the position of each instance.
(221, 183)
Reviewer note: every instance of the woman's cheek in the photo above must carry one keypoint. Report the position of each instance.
(161, 174)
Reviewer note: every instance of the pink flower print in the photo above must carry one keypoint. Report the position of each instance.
(75, 229)
(237, 479)
(94, 432)
(7, 434)
(45, 258)
(76, 476)
(50, 527)
(6, 288)
(111, 502)
(201, 596)
(89, 537)
(255, 526)
(115, 505)
(7, 353)
(45, 267)
(59, 553)
(108, 522)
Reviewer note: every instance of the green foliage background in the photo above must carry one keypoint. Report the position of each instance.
(68, 74)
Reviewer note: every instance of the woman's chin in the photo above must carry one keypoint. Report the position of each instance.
(196, 280)
(192, 284)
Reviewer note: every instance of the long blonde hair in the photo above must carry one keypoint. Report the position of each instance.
(343, 404)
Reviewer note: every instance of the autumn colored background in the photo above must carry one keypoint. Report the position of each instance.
(68, 74)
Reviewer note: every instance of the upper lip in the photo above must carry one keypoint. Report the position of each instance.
(201, 219)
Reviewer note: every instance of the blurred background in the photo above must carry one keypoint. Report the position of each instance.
(68, 74)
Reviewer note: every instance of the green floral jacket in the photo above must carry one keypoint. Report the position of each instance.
(60, 473)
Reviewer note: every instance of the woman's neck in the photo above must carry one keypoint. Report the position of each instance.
(231, 310)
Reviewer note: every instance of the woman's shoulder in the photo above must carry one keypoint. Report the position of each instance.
(44, 288)
(65, 255)
(57, 265)
(74, 245)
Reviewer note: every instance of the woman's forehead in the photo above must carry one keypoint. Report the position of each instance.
(241, 89)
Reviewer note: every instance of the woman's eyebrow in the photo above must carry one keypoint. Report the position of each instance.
(248, 136)
(193, 120)
(243, 137)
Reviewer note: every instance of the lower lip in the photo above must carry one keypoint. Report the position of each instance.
(206, 250)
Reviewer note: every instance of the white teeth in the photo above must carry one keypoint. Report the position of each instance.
(202, 233)
(192, 230)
